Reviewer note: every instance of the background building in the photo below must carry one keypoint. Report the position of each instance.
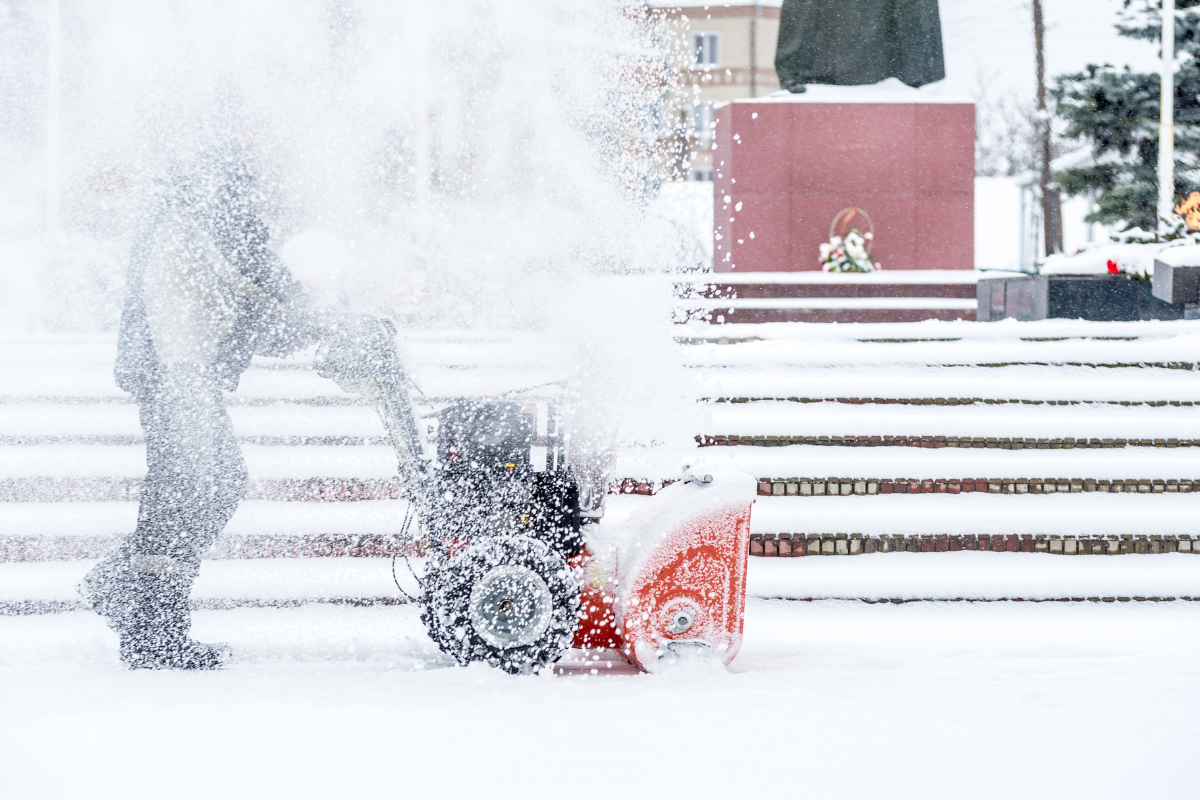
(722, 52)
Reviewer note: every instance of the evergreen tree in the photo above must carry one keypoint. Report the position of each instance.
(1117, 112)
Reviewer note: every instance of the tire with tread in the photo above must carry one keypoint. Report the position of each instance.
(447, 614)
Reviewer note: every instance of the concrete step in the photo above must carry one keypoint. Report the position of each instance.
(49, 587)
(971, 421)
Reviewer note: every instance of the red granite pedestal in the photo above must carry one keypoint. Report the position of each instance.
(784, 167)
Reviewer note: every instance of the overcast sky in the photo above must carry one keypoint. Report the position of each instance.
(994, 38)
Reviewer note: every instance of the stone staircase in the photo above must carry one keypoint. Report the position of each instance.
(1022, 438)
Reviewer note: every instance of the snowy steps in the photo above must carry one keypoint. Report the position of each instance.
(886, 296)
(900, 411)
(48, 587)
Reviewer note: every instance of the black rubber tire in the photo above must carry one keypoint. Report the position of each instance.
(448, 593)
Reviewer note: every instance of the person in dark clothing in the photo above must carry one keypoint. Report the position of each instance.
(204, 294)
(858, 42)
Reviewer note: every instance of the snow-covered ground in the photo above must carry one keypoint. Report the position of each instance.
(826, 700)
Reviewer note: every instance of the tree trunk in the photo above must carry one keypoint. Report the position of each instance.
(1051, 204)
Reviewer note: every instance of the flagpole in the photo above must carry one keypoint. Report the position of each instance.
(1166, 122)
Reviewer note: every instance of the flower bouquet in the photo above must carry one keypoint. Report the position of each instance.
(849, 254)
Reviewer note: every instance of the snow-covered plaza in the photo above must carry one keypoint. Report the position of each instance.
(337, 690)
(827, 699)
(621, 398)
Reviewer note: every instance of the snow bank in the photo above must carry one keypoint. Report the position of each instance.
(889, 90)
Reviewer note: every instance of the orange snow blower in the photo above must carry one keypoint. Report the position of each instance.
(514, 576)
(671, 581)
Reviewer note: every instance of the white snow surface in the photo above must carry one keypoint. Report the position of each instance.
(1184, 256)
(889, 91)
(827, 699)
(1092, 514)
(975, 575)
(232, 579)
(950, 303)
(906, 576)
(918, 462)
(1010, 420)
(253, 517)
(262, 461)
(882, 277)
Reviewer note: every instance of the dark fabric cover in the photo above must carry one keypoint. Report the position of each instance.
(858, 42)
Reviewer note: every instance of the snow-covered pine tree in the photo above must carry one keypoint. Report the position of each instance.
(1116, 112)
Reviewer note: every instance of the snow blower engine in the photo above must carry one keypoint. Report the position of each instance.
(515, 577)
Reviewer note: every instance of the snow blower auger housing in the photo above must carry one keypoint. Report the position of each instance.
(498, 499)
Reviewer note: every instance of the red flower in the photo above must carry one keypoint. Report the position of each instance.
(1113, 267)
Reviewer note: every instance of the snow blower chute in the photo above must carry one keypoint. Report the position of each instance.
(515, 577)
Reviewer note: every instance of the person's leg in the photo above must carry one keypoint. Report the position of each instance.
(194, 480)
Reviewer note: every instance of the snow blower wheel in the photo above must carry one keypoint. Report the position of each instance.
(509, 601)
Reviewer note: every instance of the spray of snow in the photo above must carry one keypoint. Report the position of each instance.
(483, 165)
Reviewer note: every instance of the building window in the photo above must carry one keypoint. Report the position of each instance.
(702, 119)
(705, 49)
(702, 174)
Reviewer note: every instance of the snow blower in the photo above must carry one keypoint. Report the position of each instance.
(515, 577)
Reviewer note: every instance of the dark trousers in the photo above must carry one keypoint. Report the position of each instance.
(195, 477)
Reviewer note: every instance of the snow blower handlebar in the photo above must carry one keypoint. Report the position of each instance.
(358, 352)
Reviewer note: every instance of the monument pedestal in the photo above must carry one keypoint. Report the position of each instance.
(784, 166)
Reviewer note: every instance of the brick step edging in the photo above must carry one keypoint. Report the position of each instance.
(794, 545)
(818, 487)
(937, 442)
(946, 401)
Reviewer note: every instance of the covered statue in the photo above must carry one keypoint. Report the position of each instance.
(857, 42)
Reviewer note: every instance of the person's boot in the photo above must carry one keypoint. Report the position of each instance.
(155, 635)
(106, 588)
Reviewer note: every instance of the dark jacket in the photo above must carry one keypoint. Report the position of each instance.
(215, 193)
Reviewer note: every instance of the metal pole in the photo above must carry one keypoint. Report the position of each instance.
(754, 48)
(53, 122)
(1166, 121)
